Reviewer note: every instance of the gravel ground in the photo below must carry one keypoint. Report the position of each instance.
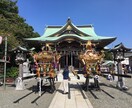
(111, 97)
(28, 98)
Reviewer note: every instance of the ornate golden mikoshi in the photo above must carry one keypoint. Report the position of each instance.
(91, 57)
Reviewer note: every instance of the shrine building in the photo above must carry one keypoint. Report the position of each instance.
(70, 40)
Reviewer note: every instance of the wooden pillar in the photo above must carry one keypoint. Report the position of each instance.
(55, 46)
(71, 59)
(66, 60)
(83, 47)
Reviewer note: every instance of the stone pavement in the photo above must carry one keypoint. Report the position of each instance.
(76, 97)
(28, 98)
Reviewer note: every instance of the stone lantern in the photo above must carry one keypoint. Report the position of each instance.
(20, 53)
(118, 53)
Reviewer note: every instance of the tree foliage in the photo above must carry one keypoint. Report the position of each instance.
(12, 25)
(108, 55)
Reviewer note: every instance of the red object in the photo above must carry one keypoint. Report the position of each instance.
(9, 80)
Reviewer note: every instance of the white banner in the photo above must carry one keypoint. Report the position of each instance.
(0, 39)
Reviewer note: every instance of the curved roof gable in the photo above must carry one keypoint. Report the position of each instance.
(56, 31)
(83, 33)
(120, 47)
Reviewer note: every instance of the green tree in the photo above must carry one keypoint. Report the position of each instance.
(13, 26)
(108, 55)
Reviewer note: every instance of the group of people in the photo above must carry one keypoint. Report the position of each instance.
(66, 79)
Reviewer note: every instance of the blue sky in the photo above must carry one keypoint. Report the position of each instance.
(109, 17)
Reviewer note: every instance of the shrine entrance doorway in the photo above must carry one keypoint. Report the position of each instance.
(70, 52)
(69, 59)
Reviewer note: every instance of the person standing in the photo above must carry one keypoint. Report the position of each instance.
(65, 80)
